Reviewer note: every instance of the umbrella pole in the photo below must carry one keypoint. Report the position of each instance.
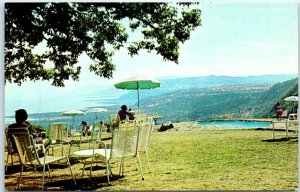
(138, 93)
(293, 107)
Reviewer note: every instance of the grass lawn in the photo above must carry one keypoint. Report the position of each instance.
(197, 160)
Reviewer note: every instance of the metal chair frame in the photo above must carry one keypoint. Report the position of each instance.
(30, 156)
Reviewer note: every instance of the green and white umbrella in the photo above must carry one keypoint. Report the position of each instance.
(291, 99)
(138, 82)
(73, 113)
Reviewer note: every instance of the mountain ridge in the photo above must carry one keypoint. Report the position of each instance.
(245, 101)
(170, 85)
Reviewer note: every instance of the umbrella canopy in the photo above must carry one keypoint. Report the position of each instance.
(96, 110)
(73, 113)
(291, 98)
(138, 82)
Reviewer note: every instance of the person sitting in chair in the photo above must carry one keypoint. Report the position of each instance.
(123, 113)
(131, 114)
(279, 110)
(85, 128)
(21, 122)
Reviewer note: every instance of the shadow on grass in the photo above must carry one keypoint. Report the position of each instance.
(291, 139)
(16, 168)
(270, 129)
(66, 183)
(82, 184)
(94, 168)
(276, 140)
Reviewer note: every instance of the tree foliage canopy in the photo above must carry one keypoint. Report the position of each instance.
(98, 29)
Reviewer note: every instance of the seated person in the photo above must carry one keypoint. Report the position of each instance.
(279, 110)
(131, 114)
(123, 113)
(21, 117)
(85, 128)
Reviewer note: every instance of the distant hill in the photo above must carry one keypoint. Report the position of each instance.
(186, 83)
(191, 98)
(247, 100)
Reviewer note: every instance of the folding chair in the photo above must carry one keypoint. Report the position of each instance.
(10, 150)
(30, 158)
(123, 145)
(145, 129)
(89, 156)
(56, 133)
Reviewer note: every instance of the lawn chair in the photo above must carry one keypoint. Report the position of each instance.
(89, 156)
(144, 138)
(97, 129)
(10, 150)
(123, 145)
(140, 117)
(97, 125)
(30, 157)
(114, 121)
(56, 133)
(284, 114)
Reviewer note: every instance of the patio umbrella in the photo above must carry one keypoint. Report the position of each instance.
(96, 110)
(138, 82)
(292, 99)
(73, 113)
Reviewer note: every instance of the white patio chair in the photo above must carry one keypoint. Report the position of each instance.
(88, 156)
(29, 156)
(11, 152)
(97, 129)
(114, 121)
(140, 117)
(123, 145)
(144, 138)
(56, 133)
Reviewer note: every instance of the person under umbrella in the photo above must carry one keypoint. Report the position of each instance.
(138, 82)
(123, 113)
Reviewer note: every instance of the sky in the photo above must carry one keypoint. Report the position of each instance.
(235, 39)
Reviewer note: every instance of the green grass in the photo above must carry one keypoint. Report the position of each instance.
(215, 160)
(198, 160)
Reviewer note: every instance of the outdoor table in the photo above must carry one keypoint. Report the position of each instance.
(294, 124)
(285, 122)
(293, 116)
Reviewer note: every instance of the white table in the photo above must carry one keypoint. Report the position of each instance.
(293, 116)
(285, 122)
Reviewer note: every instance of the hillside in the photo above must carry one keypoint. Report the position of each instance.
(246, 101)
(173, 84)
(251, 99)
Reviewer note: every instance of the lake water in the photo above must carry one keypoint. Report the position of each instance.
(236, 124)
